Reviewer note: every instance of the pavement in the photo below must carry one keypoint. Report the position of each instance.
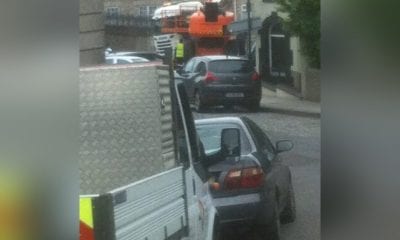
(289, 105)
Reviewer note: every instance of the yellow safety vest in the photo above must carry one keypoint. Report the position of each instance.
(179, 50)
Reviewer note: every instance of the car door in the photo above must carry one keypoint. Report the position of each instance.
(276, 172)
(187, 74)
(201, 212)
(197, 77)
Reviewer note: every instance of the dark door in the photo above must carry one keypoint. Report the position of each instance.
(275, 56)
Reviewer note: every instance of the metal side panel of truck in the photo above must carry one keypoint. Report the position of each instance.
(131, 184)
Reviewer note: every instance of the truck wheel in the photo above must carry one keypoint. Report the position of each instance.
(199, 106)
(289, 213)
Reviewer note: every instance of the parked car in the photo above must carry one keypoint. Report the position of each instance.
(250, 184)
(115, 59)
(151, 56)
(221, 80)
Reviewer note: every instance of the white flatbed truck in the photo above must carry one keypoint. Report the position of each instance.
(140, 177)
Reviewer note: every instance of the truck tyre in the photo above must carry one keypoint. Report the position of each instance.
(198, 104)
(289, 212)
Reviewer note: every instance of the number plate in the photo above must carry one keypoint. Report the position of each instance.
(234, 95)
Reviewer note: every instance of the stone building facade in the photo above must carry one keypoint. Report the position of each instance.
(91, 32)
(144, 8)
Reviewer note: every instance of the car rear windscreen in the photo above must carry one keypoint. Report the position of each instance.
(230, 66)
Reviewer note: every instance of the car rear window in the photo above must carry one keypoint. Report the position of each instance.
(210, 136)
(230, 66)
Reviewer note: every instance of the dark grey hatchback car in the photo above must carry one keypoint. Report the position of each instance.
(221, 80)
(250, 185)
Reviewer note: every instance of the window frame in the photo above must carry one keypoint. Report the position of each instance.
(147, 10)
(113, 11)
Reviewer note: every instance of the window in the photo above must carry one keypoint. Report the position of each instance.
(243, 8)
(113, 11)
(210, 135)
(262, 140)
(243, 11)
(147, 11)
(201, 68)
(189, 66)
(152, 10)
(230, 66)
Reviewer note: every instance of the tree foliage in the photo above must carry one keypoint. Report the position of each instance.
(304, 21)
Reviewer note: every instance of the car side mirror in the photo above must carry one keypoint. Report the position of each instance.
(230, 142)
(283, 146)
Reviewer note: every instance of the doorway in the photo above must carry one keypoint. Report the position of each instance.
(275, 56)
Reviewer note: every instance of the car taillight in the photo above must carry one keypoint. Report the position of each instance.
(255, 76)
(244, 178)
(210, 77)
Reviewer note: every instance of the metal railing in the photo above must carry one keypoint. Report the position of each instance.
(129, 21)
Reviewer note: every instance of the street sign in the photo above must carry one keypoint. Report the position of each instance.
(243, 25)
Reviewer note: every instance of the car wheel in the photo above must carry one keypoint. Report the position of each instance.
(216, 233)
(228, 107)
(269, 231)
(274, 228)
(289, 213)
(199, 106)
(254, 106)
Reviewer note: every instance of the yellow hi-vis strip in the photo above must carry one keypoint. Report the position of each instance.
(85, 211)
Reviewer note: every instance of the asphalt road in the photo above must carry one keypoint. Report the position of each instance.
(304, 161)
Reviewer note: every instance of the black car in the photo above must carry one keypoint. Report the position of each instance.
(221, 80)
(249, 183)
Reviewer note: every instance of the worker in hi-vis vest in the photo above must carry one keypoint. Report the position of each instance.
(179, 52)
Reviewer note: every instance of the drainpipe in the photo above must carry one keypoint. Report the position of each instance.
(248, 8)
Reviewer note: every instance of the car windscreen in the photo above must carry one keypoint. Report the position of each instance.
(210, 136)
(230, 66)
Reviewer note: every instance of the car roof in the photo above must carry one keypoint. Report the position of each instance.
(221, 57)
(219, 120)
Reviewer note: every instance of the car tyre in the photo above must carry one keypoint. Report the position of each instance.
(228, 107)
(198, 104)
(270, 231)
(217, 232)
(274, 228)
(289, 212)
(253, 106)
